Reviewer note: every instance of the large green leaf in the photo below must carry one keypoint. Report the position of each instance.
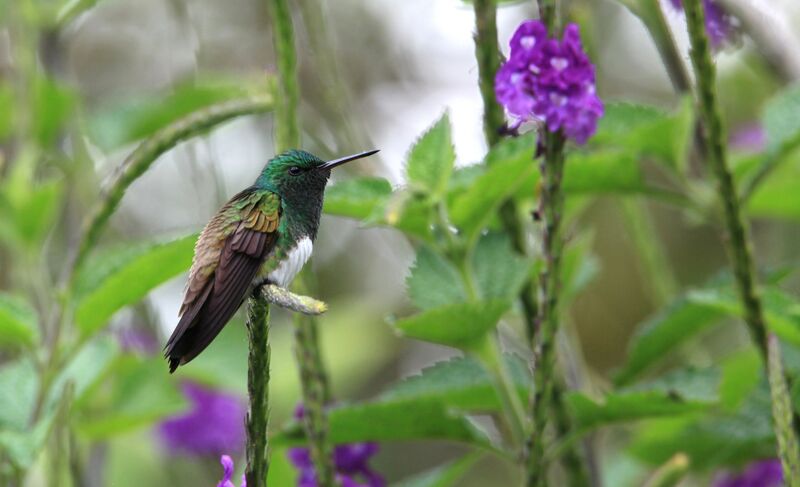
(741, 374)
(781, 311)
(391, 420)
(53, 104)
(84, 371)
(140, 394)
(472, 209)
(126, 122)
(28, 212)
(433, 281)
(711, 440)
(431, 159)
(780, 120)
(499, 271)
(18, 322)
(18, 387)
(462, 325)
(460, 383)
(131, 279)
(679, 393)
(646, 131)
(666, 331)
(357, 198)
(776, 196)
(614, 172)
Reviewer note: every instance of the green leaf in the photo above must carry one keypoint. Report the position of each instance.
(499, 271)
(131, 280)
(19, 383)
(6, 109)
(776, 196)
(646, 131)
(780, 120)
(462, 325)
(781, 311)
(471, 210)
(29, 209)
(431, 160)
(460, 383)
(615, 172)
(357, 198)
(123, 123)
(84, 371)
(711, 440)
(741, 374)
(23, 447)
(434, 281)
(390, 420)
(683, 392)
(443, 476)
(663, 333)
(53, 104)
(18, 322)
(141, 394)
(579, 267)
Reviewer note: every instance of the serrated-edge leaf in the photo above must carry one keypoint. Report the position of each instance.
(132, 281)
(461, 325)
(499, 271)
(357, 198)
(431, 159)
(433, 281)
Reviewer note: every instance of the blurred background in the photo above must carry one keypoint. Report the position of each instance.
(374, 74)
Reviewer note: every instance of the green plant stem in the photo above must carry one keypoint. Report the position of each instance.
(287, 131)
(671, 473)
(739, 245)
(257, 422)
(313, 376)
(487, 53)
(652, 16)
(782, 414)
(552, 208)
(149, 151)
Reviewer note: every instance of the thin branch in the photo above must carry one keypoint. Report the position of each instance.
(149, 151)
(257, 421)
(739, 245)
(286, 299)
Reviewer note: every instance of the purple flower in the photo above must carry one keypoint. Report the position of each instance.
(763, 473)
(749, 138)
(351, 462)
(227, 473)
(550, 80)
(215, 423)
(720, 25)
(137, 340)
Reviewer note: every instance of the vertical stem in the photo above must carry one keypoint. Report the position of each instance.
(257, 422)
(487, 53)
(782, 413)
(652, 16)
(738, 241)
(287, 130)
(552, 207)
(316, 391)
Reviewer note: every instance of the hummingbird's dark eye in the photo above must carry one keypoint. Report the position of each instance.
(294, 170)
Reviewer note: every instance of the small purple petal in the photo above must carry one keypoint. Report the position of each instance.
(763, 473)
(227, 469)
(749, 138)
(213, 425)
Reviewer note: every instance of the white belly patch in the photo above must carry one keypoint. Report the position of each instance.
(291, 265)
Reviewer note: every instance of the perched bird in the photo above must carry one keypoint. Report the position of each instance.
(262, 235)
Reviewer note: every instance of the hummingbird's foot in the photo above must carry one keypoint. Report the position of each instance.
(286, 299)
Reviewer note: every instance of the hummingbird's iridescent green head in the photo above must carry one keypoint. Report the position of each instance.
(297, 173)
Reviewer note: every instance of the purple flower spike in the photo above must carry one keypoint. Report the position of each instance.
(721, 26)
(764, 473)
(227, 472)
(549, 80)
(214, 424)
(351, 462)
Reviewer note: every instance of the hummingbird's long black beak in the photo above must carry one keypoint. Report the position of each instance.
(342, 160)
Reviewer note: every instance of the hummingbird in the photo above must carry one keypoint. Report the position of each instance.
(264, 234)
